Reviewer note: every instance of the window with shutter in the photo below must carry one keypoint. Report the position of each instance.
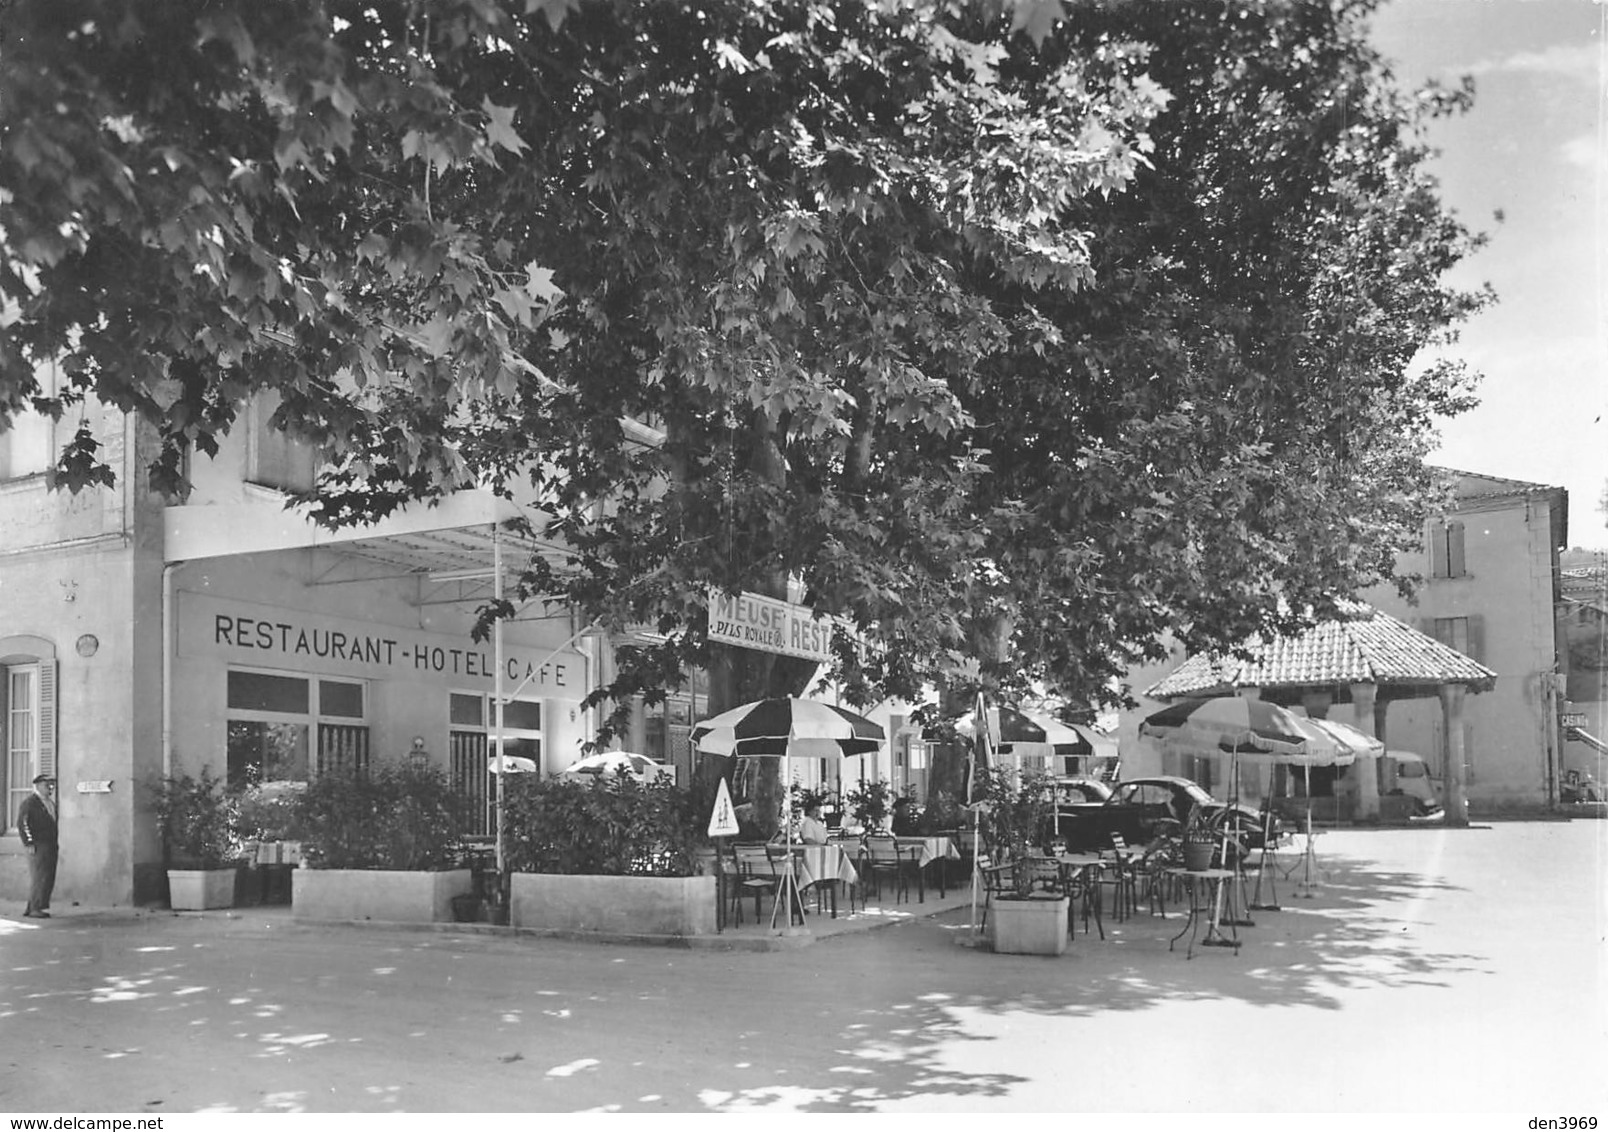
(1437, 550)
(1456, 566)
(27, 719)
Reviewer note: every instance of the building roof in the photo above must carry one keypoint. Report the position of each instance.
(1365, 646)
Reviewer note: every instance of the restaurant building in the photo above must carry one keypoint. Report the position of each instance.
(140, 638)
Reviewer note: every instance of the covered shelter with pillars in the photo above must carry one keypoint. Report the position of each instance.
(1364, 659)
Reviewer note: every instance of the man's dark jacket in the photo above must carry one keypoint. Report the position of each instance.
(34, 822)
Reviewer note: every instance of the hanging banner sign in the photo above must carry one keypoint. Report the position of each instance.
(723, 821)
(1573, 719)
(768, 624)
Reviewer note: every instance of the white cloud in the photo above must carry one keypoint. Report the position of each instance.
(1584, 151)
(1582, 61)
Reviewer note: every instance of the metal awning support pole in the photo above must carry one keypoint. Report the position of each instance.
(497, 686)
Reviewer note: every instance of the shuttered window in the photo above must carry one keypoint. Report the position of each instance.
(1447, 552)
(27, 719)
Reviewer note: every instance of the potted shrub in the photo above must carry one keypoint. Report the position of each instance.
(1028, 920)
(870, 805)
(198, 817)
(384, 844)
(607, 858)
(1200, 841)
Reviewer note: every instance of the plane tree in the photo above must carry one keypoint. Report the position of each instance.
(1018, 332)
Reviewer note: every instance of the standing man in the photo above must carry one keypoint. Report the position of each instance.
(36, 822)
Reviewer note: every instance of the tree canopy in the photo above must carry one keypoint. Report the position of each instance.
(1018, 331)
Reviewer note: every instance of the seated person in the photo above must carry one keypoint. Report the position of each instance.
(812, 830)
(747, 828)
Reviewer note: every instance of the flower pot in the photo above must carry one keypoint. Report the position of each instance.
(1034, 926)
(195, 890)
(1198, 855)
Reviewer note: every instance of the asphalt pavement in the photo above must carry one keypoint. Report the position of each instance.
(1429, 970)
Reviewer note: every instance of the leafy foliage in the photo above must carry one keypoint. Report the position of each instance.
(870, 804)
(619, 828)
(390, 817)
(198, 816)
(1026, 332)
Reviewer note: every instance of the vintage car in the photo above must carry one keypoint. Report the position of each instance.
(1142, 807)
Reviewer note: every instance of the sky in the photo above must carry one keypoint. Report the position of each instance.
(1535, 148)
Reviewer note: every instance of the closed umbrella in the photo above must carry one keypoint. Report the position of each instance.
(782, 727)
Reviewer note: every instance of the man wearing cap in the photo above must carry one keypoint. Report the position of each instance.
(36, 823)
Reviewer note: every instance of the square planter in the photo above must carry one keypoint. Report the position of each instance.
(396, 897)
(196, 890)
(1029, 927)
(610, 905)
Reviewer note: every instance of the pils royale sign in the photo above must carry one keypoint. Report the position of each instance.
(767, 624)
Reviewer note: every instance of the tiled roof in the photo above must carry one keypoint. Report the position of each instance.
(1365, 647)
(1474, 485)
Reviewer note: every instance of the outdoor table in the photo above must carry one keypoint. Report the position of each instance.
(827, 865)
(1080, 878)
(928, 850)
(820, 865)
(1206, 889)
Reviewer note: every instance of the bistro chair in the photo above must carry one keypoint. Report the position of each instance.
(1122, 878)
(882, 857)
(997, 880)
(755, 876)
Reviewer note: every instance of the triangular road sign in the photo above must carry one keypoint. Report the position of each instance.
(723, 822)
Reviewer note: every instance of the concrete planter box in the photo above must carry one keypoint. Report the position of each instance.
(196, 890)
(650, 906)
(1029, 927)
(394, 897)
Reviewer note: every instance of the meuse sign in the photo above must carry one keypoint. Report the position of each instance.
(767, 624)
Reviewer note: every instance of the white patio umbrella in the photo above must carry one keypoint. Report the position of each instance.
(606, 765)
(781, 728)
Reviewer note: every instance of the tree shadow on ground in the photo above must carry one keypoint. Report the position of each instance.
(309, 1020)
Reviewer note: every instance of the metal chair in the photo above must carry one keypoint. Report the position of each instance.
(754, 875)
(997, 881)
(881, 857)
(1120, 875)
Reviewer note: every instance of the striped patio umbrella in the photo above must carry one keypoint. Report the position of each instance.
(1023, 732)
(1238, 726)
(786, 726)
(781, 728)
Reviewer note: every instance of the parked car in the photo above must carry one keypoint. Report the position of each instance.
(1140, 808)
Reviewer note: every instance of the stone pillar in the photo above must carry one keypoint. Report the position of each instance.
(1363, 698)
(1388, 777)
(1451, 698)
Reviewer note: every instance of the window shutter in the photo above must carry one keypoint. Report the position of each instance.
(1455, 557)
(1437, 550)
(47, 718)
(1476, 637)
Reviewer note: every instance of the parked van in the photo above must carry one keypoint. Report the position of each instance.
(1412, 779)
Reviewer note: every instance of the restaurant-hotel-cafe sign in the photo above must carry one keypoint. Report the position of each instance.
(768, 624)
(248, 634)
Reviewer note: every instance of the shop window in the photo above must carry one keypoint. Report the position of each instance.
(471, 747)
(27, 719)
(1446, 550)
(288, 728)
